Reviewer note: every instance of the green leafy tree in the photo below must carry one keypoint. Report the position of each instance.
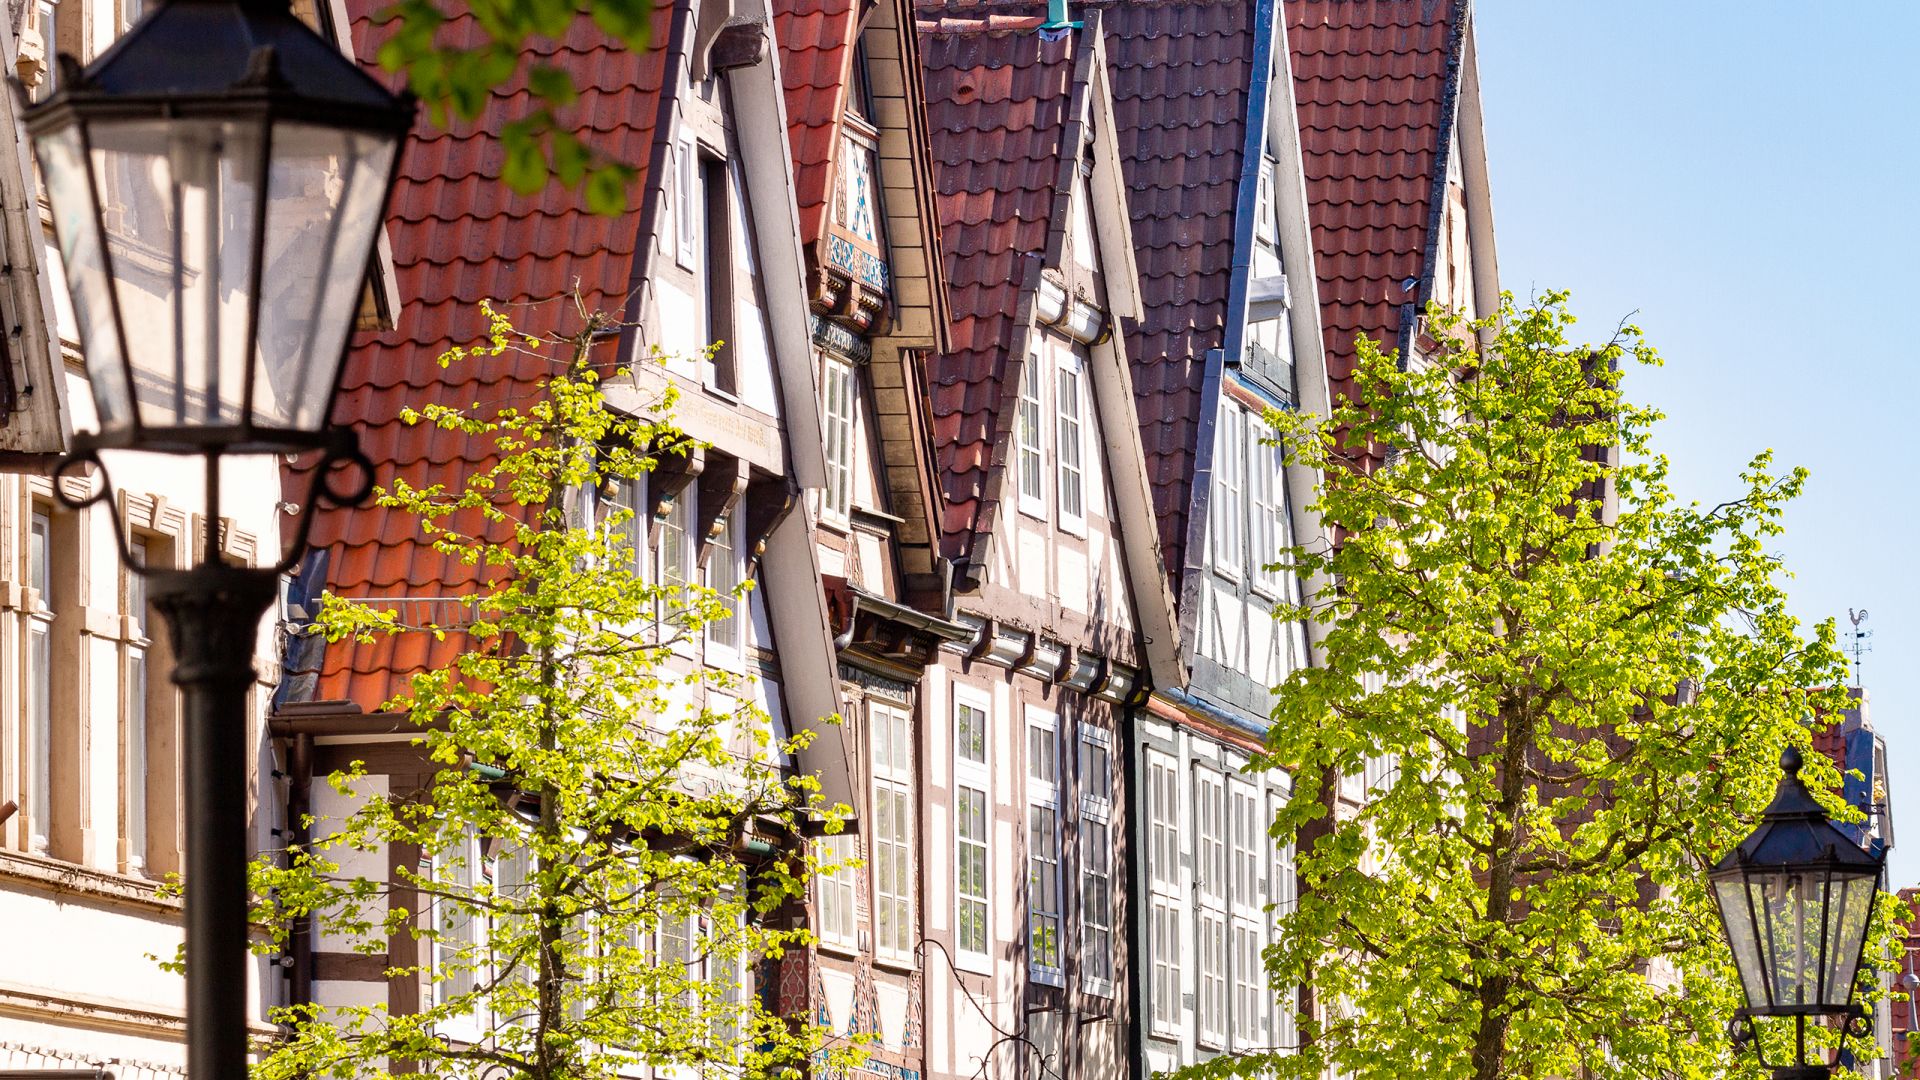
(1575, 700)
(456, 78)
(600, 856)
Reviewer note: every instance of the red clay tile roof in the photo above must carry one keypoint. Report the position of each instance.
(1180, 73)
(1372, 81)
(816, 48)
(998, 111)
(460, 236)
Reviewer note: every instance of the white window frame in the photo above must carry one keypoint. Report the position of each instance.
(1070, 481)
(972, 773)
(841, 419)
(1163, 823)
(1245, 883)
(835, 892)
(465, 871)
(1210, 870)
(41, 547)
(1226, 519)
(674, 561)
(1029, 439)
(1210, 998)
(1266, 509)
(134, 690)
(1248, 1000)
(1043, 798)
(724, 571)
(1096, 828)
(1165, 1003)
(891, 854)
(691, 215)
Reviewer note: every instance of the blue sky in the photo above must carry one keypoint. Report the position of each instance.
(1745, 177)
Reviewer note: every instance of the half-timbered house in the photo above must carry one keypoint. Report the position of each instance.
(1046, 522)
(709, 255)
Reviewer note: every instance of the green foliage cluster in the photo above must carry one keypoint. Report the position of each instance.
(589, 822)
(1577, 696)
(456, 79)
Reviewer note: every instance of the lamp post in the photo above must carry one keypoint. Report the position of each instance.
(218, 179)
(1795, 898)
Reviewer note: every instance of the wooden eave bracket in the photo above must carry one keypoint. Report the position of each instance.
(672, 472)
(722, 483)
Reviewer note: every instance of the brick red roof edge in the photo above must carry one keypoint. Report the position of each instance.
(1375, 84)
(460, 236)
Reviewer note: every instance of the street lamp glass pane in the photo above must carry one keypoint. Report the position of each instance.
(325, 189)
(62, 163)
(1792, 909)
(1851, 908)
(1732, 897)
(178, 200)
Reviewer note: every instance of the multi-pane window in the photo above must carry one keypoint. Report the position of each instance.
(1163, 824)
(970, 870)
(1210, 836)
(1249, 839)
(457, 933)
(1164, 901)
(971, 825)
(891, 856)
(1249, 988)
(1225, 520)
(1266, 496)
(1164, 927)
(723, 577)
(1096, 857)
(1210, 927)
(833, 890)
(1096, 903)
(1210, 943)
(135, 711)
(1028, 427)
(1069, 450)
(1043, 847)
(837, 500)
(40, 681)
(675, 553)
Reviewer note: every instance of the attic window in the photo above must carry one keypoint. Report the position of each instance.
(858, 205)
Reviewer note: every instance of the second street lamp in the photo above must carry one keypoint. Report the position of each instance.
(217, 179)
(1795, 898)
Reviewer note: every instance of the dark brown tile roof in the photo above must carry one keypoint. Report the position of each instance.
(1372, 79)
(1180, 73)
(998, 96)
(816, 46)
(460, 236)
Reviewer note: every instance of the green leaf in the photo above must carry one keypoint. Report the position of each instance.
(607, 187)
(552, 85)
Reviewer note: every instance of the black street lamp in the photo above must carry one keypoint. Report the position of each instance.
(218, 178)
(1795, 898)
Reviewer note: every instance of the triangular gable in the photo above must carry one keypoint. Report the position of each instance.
(1023, 136)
